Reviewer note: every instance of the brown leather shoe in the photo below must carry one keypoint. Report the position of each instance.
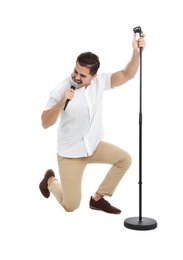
(103, 205)
(43, 186)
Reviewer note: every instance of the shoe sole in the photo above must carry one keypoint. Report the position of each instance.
(104, 210)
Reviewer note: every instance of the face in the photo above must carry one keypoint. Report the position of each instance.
(82, 76)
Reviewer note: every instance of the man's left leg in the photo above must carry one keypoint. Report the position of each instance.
(120, 160)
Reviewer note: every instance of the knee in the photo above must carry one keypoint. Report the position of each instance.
(125, 161)
(70, 207)
(128, 160)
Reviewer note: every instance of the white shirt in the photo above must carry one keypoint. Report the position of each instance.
(80, 129)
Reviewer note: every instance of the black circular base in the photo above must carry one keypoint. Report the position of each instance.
(144, 224)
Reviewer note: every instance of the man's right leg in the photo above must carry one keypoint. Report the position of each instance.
(68, 192)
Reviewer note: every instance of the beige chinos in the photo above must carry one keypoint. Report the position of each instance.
(68, 192)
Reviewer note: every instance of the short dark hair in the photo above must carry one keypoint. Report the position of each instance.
(89, 60)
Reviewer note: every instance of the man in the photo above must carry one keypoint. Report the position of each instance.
(80, 132)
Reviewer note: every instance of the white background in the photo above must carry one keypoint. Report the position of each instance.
(40, 41)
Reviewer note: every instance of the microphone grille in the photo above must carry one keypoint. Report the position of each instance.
(74, 85)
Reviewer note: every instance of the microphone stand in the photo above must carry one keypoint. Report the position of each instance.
(140, 223)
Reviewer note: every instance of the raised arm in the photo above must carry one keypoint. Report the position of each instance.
(120, 77)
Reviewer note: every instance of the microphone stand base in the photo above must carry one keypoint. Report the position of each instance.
(144, 224)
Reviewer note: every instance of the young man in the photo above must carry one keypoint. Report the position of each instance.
(80, 132)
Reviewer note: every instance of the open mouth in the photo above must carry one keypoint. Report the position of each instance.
(78, 81)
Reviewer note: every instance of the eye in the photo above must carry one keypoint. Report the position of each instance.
(83, 76)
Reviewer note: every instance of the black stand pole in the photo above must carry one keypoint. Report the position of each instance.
(140, 223)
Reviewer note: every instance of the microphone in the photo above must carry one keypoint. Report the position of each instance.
(73, 86)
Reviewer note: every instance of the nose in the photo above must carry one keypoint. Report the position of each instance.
(77, 77)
